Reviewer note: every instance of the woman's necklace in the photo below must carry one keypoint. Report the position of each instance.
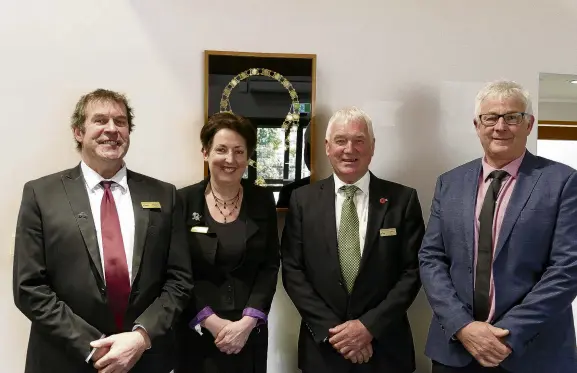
(226, 203)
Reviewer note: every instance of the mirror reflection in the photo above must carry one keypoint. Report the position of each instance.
(276, 92)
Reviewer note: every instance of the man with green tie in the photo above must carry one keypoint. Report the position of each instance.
(350, 265)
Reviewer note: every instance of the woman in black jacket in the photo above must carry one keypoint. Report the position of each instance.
(233, 237)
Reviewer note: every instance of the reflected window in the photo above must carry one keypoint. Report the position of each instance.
(276, 163)
(270, 155)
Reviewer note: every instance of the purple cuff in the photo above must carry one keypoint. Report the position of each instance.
(253, 312)
(201, 316)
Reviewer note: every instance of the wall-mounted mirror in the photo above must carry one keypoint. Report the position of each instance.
(557, 118)
(276, 92)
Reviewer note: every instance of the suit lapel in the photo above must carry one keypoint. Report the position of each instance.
(327, 206)
(75, 188)
(252, 212)
(377, 211)
(252, 209)
(526, 180)
(470, 186)
(138, 193)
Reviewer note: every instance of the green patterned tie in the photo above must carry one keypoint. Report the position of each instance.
(348, 240)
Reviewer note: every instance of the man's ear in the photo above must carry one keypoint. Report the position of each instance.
(78, 133)
(530, 123)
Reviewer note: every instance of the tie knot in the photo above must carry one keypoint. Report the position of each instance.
(498, 175)
(349, 190)
(106, 184)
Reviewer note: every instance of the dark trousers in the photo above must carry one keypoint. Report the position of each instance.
(474, 367)
(360, 368)
(198, 354)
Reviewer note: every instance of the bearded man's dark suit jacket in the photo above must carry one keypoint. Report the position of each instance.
(386, 285)
(58, 276)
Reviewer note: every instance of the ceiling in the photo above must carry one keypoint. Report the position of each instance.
(556, 88)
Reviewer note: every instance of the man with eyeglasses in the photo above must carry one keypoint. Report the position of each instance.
(499, 258)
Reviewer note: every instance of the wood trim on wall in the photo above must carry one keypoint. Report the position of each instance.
(557, 133)
(558, 122)
(557, 130)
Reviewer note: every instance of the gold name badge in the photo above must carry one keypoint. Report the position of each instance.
(150, 205)
(388, 232)
(198, 229)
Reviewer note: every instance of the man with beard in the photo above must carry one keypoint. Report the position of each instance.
(101, 266)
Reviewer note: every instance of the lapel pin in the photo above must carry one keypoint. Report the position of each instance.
(82, 215)
(196, 216)
(383, 200)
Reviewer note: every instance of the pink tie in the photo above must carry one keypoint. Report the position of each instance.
(115, 266)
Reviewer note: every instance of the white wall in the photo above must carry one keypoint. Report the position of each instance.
(558, 110)
(415, 63)
(563, 151)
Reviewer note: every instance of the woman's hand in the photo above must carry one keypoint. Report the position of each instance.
(214, 324)
(232, 338)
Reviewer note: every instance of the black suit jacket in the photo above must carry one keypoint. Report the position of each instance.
(387, 283)
(285, 193)
(58, 276)
(253, 282)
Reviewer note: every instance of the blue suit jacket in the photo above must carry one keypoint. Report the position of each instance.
(535, 266)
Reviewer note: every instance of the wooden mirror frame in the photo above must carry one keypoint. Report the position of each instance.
(312, 57)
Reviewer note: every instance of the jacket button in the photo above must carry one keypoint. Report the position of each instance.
(469, 306)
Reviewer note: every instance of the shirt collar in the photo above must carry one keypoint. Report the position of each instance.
(511, 168)
(93, 178)
(362, 183)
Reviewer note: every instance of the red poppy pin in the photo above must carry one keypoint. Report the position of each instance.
(383, 200)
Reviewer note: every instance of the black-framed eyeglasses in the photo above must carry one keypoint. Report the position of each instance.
(513, 119)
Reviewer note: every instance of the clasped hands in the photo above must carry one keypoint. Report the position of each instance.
(352, 340)
(118, 353)
(485, 342)
(230, 336)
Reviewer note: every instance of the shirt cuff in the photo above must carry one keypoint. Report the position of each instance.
(259, 315)
(143, 328)
(200, 317)
(90, 355)
(93, 350)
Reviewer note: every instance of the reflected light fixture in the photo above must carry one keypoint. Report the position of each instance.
(573, 81)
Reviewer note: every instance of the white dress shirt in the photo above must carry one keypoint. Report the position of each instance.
(361, 203)
(123, 202)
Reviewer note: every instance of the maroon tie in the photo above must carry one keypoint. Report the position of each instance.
(115, 266)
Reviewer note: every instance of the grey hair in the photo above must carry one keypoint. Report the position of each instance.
(347, 115)
(502, 89)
